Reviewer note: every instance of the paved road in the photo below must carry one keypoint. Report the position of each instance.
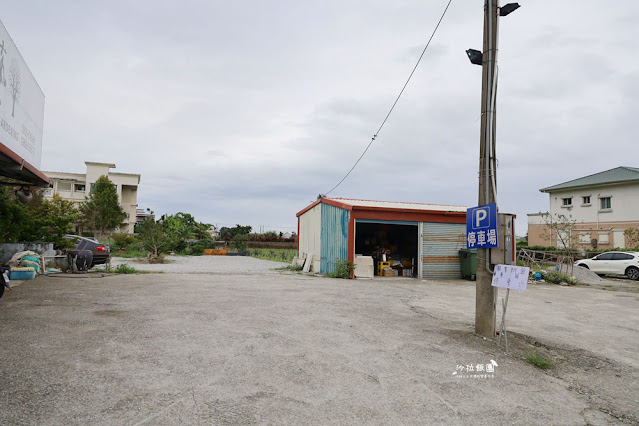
(291, 349)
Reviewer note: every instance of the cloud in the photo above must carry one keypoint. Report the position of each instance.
(242, 112)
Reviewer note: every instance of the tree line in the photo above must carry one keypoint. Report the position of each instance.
(39, 219)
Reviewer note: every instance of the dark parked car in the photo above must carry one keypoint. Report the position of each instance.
(101, 252)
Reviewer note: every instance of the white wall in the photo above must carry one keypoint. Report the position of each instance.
(126, 188)
(624, 203)
(536, 219)
(310, 232)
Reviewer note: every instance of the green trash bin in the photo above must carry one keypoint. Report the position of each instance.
(468, 260)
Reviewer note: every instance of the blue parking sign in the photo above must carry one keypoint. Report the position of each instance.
(481, 227)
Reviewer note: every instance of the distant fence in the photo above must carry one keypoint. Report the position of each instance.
(263, 244)
(271, 244)
(564, 257)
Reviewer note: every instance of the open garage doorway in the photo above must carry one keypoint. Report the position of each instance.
(398, 241)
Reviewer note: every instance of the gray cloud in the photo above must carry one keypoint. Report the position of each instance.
(242, 112)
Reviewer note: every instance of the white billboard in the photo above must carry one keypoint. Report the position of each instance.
(21, 103)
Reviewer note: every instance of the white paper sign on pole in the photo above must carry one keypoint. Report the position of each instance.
(510, 276)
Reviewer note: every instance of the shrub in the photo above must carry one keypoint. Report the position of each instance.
(121, 241)
(238, 242)
(125, 269)
(557, 277)
(343, 269)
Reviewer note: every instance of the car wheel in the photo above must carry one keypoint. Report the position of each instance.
(632, 273)
(583, 266)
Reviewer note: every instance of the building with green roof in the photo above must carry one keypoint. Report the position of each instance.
(596, 211)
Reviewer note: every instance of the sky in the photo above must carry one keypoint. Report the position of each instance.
(243, 112)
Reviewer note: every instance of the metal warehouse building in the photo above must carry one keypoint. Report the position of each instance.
(428, 236)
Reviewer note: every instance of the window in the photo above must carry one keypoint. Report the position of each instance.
(622, 256)
(604, 203)
(586, 200)
(80, 187)
(604, 238)
(584, 238)
(64, 186)
(566, 202)
(605, 256)
(48, 192)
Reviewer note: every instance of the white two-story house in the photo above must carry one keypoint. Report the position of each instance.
(602, 206)
(77, 186)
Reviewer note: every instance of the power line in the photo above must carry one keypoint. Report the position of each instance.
(396, 100)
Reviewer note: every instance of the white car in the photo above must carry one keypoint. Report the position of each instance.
(613, 263)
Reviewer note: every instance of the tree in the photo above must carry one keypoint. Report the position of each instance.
(184, 227)
(56, 219)
(155, 239)
(15, 219)
(101, 212)
(563, 227)
(37, 220)
(230, 233)
(632, 235)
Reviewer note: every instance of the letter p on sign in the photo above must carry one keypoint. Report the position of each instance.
(481, 219)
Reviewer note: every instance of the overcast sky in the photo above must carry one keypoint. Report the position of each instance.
(244, 111)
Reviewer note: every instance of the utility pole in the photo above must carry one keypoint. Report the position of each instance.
(485, 294)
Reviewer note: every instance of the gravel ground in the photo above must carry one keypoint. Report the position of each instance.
(220, 265)
(165, 349)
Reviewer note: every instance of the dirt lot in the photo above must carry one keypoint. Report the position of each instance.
(293, 349)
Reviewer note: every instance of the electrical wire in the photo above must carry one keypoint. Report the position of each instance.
(396, 100)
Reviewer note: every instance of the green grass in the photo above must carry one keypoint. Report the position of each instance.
(538, 360)
(278, 255)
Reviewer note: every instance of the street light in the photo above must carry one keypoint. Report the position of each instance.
(475, 56)
(508, 8)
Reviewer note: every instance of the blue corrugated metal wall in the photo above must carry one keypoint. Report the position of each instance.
(334, 237)
(441, 245)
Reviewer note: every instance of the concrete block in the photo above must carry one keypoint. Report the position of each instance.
(364, 267)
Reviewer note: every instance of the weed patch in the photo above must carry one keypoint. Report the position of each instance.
(538, 360)
(557, 277)
(125, 269)
(343, 269)
(294, 268)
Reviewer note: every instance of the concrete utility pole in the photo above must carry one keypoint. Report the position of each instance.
(486, 295)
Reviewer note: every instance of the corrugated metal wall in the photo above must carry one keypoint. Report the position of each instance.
(334, 239)
(441, 244)
(310, 232)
